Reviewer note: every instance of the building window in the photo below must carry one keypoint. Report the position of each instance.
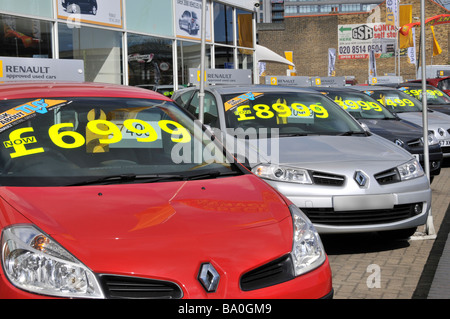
(290, 9)
(223, 24)
(189, 57)
(351, 7)
(224, 57)
(245, 59)
(101, 51)
(26, 38)
(308, 9)
(149, 60)
(244, 28)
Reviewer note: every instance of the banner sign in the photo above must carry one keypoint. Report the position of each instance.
(328, 81)
(102, 12)
(385, 80)
(288, 80)
(392, 12)
(356, 40)
(221, 76)
(188, 19)
(29, 69)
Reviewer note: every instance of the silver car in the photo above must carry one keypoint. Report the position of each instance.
(410, 109)
(344, 178)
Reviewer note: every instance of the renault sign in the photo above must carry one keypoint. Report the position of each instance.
(29, 69)
(221, 76)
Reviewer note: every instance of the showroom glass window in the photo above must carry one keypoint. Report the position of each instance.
(100, 49)
(245, 59)
(149, 60)
(26, 38)
(223, 24)
(224, 57)
(189, 57)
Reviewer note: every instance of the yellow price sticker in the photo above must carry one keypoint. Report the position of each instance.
(63, 136)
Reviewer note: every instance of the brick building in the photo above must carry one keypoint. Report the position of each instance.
(310, 37)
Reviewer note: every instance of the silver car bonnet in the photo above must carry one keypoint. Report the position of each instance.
(435, 118)
(326, 152)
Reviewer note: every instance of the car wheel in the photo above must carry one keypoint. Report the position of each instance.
(398, 233)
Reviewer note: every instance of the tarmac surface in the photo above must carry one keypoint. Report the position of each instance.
(366, 266)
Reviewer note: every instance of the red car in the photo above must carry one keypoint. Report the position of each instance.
(109, 191)
(442, 83)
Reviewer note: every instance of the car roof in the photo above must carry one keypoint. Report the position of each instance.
(373, 87)
(335, 89)
(415, 84)
(19, 90)
(238, 89)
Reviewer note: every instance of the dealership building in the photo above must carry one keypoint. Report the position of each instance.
(132, 42)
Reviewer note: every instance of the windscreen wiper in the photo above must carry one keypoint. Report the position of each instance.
(211, 174)
(127, 178)
(350, 133)
(293, 134)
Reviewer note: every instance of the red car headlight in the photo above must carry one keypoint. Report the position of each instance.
(34, 262)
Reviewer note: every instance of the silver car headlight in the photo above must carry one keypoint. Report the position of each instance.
(432, 140)
(410, 170)
(34, 262)
(282, 173)
(307, 249)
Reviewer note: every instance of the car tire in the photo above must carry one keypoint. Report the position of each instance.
(399, 234)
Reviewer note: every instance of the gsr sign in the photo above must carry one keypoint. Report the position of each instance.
(363, 32)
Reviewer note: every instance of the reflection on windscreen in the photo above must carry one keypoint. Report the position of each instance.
(360, 105)
(396, 101)
(289, 112)
(67, 140)
(434, 95)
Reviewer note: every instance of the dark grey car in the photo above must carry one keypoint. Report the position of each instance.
(437, 100)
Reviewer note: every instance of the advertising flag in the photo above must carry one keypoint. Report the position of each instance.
(372, 64)
(392, 12)
(436, 47)
(412, 50)
(331, 61)
(405, 41)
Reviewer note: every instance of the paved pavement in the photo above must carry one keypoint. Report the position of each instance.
(365, 266)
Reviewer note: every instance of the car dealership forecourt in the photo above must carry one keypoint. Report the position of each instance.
(153, 178)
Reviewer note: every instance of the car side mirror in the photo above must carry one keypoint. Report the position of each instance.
(365, 127)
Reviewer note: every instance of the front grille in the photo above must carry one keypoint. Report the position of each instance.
(445, 149)
(272, 273)
(388, 177)
(327, 216)
(320, 178)
(124, 287)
